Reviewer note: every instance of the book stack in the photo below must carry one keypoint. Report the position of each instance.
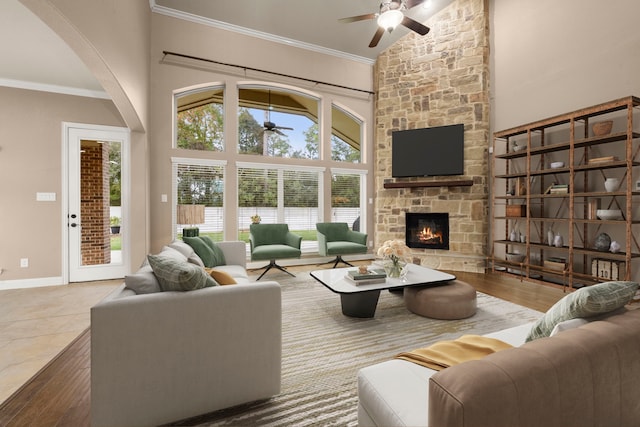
(372, 276)
(605, 159)
(555, 263)
(558, 189)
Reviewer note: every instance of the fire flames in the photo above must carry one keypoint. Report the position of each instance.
(429, 236)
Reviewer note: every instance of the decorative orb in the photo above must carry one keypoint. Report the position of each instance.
(603, 242)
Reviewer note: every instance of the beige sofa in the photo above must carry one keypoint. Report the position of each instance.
(584, 376)
(165, 356)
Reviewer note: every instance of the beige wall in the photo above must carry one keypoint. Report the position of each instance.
(30, 162)
(553, 57)
(175, 35)
(550, 57)
(112, 38)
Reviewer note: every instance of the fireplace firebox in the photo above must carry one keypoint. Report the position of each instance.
(427, 230)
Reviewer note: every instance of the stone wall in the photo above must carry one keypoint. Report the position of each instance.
(435, 80)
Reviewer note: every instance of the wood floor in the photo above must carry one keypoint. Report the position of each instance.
(59, 395)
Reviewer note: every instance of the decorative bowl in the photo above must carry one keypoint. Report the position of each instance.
(609, 214)
(556, 165)
(515, 257)
(602, 128)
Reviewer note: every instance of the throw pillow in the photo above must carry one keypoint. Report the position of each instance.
(187, 251)
(143, 281)
(173, 253)
(195, 259)
(217, 252)
(585, 302)
(204, 252)
(222, 277)
(174, 275)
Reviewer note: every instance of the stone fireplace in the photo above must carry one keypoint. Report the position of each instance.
(437, 80)
(427, 230)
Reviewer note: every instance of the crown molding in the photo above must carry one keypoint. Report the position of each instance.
(163, 10)
(65, 90)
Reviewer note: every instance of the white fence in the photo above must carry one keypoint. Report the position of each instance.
(296, 218)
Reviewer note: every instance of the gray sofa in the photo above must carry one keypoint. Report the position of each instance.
(584, 373)
(165, 356)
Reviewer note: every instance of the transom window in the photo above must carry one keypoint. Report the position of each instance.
(346, 136)
(200, 120)
(277, 123)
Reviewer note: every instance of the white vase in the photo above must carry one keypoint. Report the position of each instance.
(557, 241)
(611, 184)
(615, 247)
(550, 237)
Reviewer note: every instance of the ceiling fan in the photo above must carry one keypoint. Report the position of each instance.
(270, 126)
(392, 14)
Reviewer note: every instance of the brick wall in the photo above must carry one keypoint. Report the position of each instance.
(435, 80)
(94, 208)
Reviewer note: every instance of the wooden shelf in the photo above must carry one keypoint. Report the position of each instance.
(419, 184)
(567, 213)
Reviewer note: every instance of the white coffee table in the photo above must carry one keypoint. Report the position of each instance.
(361, 300)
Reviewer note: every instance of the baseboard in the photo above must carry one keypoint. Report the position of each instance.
(31, 283)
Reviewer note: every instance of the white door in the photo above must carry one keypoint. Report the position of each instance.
(97, 202)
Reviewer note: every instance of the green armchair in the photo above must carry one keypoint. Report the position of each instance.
(270, 242)
(335, 238)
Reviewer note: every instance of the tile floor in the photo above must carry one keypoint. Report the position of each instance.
(37, 323)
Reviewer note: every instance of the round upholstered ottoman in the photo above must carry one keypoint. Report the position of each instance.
(453, 300)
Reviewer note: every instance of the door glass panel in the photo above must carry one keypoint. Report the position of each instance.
(100, 206)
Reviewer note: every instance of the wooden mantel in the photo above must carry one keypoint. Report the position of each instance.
(418, 184)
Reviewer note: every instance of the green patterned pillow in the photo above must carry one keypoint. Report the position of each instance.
(175, 275)
(585, 302)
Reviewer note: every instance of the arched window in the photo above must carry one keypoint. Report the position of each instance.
(346, 136)
(200, 119)
(276, 122)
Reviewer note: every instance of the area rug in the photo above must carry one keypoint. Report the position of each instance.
(323, 350)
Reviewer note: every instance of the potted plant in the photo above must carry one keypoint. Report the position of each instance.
(255, 219)
(115, 224)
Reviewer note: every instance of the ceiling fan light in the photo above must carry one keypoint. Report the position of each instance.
(390, 19)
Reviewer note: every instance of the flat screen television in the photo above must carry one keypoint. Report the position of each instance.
(434, 151)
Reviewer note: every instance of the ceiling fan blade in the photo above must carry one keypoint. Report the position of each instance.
(376, 37)
(415, 26)
(283, 128)
(359, 18)
(413, 3)
(275, 130)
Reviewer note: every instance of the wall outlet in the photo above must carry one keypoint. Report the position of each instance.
(24, 262)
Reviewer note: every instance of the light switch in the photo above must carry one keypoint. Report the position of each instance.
(46, 197)
(163, 198)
